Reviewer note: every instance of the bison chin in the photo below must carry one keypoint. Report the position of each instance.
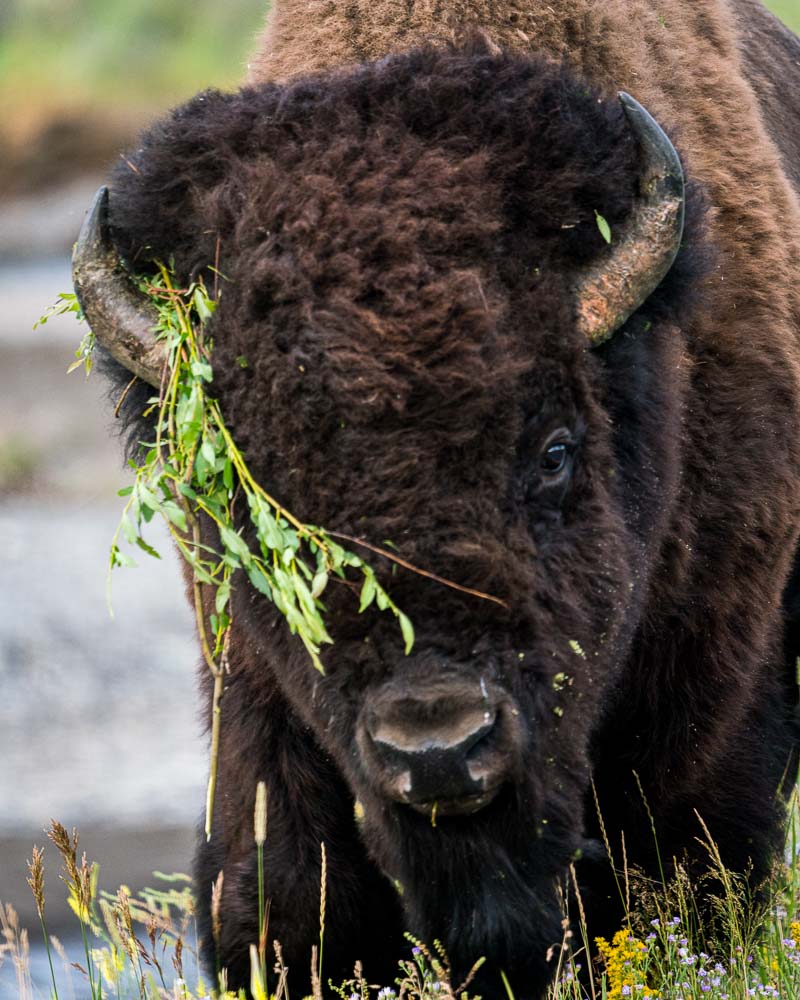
(464, 812)
(486, 886)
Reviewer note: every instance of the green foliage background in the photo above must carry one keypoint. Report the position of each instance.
(789, 10)
(136, 54)
(127, 54)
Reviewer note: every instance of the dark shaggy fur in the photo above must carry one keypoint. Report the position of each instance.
(398, 240)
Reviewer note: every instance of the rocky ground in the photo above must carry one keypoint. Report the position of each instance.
(99, 725)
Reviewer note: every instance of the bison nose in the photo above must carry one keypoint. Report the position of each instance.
(448, 749)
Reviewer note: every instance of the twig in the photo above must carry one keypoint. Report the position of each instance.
(124, 395)
(415, 569)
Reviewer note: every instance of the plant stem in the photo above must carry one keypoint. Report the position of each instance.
(49, 956)
(262, 938)
(216, 714)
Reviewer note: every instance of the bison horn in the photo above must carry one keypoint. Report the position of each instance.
(610, 291)
(120, 318)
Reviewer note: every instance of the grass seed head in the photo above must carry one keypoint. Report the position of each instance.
(36, 879)
(260, 816)
(67, 847)
(216, 906)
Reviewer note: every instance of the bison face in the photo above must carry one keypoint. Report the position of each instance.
(418, 284)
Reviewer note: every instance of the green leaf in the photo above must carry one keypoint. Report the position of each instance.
(120, 558)
(408, 631)
(175, 514)
(147, 548)
(318, 584)
(222, 596)
(267, 527)
(306, 601)
(189, 419)
(367, 592)
(235, 544)
(259, 580)
(227, 475)
(203, 304)
(202, 370)
(209, 452)
(128, 529)
(603, 226)
(147, 498)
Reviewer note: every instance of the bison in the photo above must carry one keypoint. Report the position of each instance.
(444, 351)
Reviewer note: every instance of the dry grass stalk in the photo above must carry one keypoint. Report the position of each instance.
(61, 951)
(323, 891)
(316, 986)
(79, 877)
(177, 956)
(36, 878)
(625, 873)
(16, 946)
(67, 847)
(154, 933)
(583, 924)
(260, 815)
(124, 922)
(216, 908)
(282, 972)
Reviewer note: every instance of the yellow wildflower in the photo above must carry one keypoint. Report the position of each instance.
(626, 964)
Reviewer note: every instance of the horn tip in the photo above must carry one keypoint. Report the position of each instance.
(94, 231)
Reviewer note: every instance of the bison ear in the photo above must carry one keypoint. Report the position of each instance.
(611, 290)
(121, 318)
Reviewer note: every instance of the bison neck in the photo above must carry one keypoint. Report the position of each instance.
(305, 36)
(310, 35)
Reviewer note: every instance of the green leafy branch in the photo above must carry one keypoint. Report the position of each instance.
(67, 302)
(194, 467)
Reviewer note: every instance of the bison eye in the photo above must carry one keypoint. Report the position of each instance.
(555, 455)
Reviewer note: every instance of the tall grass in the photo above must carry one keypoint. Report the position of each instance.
(144, 947)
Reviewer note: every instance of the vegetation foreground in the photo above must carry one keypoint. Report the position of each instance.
(144, 946)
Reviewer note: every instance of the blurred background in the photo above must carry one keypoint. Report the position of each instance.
(99, 725)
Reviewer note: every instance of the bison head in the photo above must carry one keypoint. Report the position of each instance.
(414, 344)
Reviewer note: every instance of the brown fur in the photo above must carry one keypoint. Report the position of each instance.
(381, 222)
(716, 73)
(695, 67)
(685, 66)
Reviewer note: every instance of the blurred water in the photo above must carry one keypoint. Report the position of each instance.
(97, 718)
(27, 289)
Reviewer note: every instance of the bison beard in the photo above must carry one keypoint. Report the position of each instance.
(399, 240)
